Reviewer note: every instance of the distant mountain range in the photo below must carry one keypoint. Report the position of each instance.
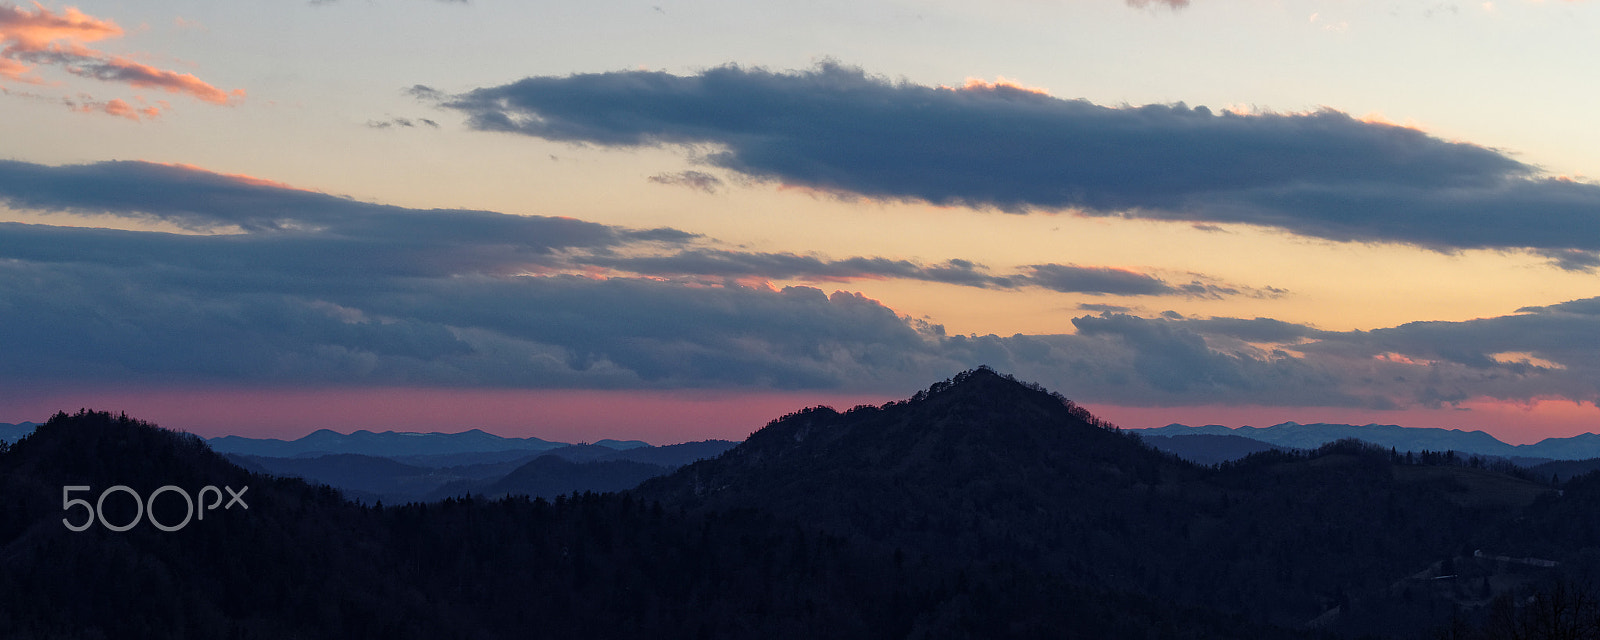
(1209, 448)
(13, 432)
(1310, 436)
(537, 473)
(400, 467)
(392, 443)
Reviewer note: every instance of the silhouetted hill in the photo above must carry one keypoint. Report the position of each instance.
(621, 445)
(672, 456)
(984, 469)
(591, 468)
(385, 444)
(1415, 439)
(13, 432)
(1564, 470)
(233, 574)
(1208, 449)
(368, 478)
(550, 476)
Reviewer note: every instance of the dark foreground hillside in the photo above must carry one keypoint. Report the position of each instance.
(1348, 539)
(980, 508)
(301, 563)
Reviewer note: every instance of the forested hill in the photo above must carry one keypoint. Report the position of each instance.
(985, 468)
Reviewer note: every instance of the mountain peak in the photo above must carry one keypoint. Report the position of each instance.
(977, 424)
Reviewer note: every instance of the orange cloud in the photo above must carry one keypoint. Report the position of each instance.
(114, 107)
(13, 70)
(238, 177)
(24, 31)
(1000, 82)
(118, 69)
(44, 37)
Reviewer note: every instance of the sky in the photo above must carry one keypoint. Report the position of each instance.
(677, 220)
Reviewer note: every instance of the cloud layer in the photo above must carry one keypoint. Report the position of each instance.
(1322, 174)
(291, 287)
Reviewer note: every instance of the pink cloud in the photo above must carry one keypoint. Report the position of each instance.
(22, 31)
(42, 37)
(118, 69)
(85, 103)
(13, 70)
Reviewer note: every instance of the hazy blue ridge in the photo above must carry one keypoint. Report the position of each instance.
(14, 432)
(386, 444)
(1311, 436)
(589, 467)
(1208, 448)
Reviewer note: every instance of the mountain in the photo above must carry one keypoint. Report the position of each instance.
(230, 572)
(1310, 436)
(1564, 470)
(622, 445)
(387, 444)
(573, 469)
(1579, 447)
(576, 469)
(14, 432)
(987, 471)
(1208, 449)
(672, 455)
(367, 478)
(550, 476)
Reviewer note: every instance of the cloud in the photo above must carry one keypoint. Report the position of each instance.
(320, 231)
(698, 180)
(298, 287)
(42, 37)
(1097, 280)
(835, 128)
(1170, 4)
(24, 31)
(286, 286)
(292, 287)
(117, 107)
(1127, 282)
(790, 266)
(404, 123)
(287, 230)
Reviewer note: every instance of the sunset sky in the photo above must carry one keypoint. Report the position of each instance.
(675, 220)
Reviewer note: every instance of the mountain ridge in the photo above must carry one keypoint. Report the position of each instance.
(1414, 439)
(984, 469)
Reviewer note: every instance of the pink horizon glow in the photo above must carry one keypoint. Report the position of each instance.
(655, 417)
(670, 417)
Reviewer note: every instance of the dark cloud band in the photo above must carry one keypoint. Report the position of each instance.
(1322, 174)
(327, 291)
